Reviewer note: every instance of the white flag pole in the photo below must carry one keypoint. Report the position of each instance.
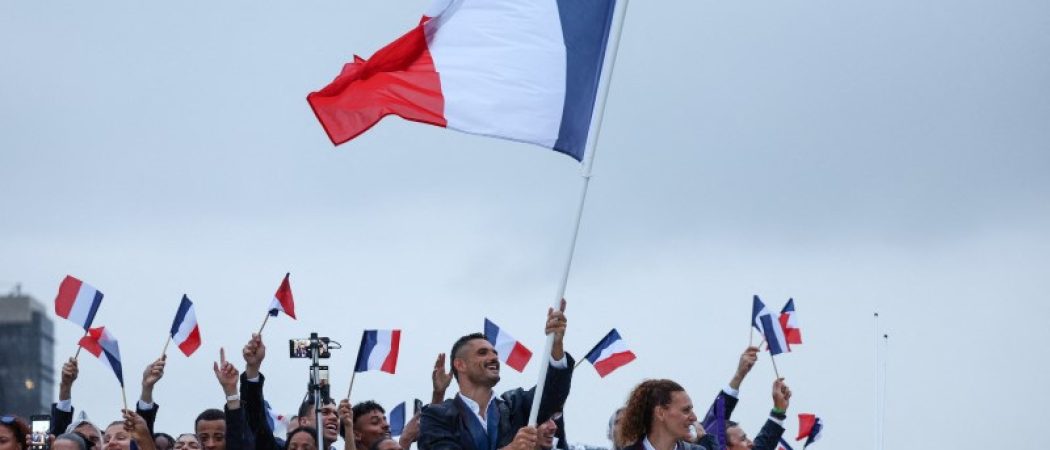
(588, 160)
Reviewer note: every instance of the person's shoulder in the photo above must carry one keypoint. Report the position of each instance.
(683, 445)
(446, 408)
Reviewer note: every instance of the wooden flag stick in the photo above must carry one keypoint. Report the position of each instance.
(165, 351)
(751, 338)
(348, 391)
(124, 397)
(264, 322)
(579, 362)
(774, 359)
(77, 354)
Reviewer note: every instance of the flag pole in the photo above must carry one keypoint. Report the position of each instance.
(165, 351)
(79, 347)
(348, 391)
(612, 46)
(123, 397)
(875, 365)
(774, 359)
(264, 322)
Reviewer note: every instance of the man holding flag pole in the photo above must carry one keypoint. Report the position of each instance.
(478, 419)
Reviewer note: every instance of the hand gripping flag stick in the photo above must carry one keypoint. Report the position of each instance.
(597, 114)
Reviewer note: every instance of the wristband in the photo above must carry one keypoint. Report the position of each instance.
(778, 413)
(233, 398)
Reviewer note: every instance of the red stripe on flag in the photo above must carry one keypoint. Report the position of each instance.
(805, 425)
(284, 297)
(398, 79)
(90, 341)
(67, 295)
(390, 363)
(519, 357)
(192, 342)
(613, 362)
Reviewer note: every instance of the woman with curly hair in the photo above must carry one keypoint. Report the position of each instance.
(658, 416)
(13, 433)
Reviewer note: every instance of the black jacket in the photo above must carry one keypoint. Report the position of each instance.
(60, 420)
(446, 426)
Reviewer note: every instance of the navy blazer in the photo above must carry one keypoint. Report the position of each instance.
(445, 426)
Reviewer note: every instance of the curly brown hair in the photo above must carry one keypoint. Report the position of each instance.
(638, 414)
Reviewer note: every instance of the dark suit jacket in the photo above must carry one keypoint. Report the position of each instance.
(254, 406)
(238, 435)
(445, 426)
(60, 420)
(768, 438)
(682, 445)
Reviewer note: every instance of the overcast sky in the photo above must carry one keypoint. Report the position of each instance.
(855, 155)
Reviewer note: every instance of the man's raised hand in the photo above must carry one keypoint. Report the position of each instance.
(440, 379)
(254, 353)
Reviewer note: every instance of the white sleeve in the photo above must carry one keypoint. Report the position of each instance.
(559, 364)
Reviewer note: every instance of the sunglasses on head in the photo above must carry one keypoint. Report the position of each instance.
(8, 419)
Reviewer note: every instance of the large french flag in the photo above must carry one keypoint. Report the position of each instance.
(184, 330)
(610, 354)
(102, 344)
(378, 351)
(282, 299)
(510, 350)
(789, 322)
(77, 301)
(524, 70)
(762, 319)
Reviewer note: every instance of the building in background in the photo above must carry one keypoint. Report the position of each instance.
(27, 346)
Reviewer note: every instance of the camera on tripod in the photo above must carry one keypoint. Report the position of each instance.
(306, 348)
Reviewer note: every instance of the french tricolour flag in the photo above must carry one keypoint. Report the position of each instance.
(104, 346)
(378, 351)
(510, 350)
(524, 70)
(610, 354)
(789, 322)
(397, 419)
(770, 328)
(184, 330)
(282, 299)
(810, 427)
(77, 301)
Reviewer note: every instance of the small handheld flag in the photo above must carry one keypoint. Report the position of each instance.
(810, 427)
(77, 301)
(184, 330)
(282, 300)
(789, 322)
(397, 419)
(511, 352)
(379, 349)
(714, 422)
(762, 319)
(610, 354)
(277, 422)
(102, 344)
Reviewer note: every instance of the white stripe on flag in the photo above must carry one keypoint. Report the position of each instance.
(616, 347)
(189, 321)
(82, 305)
(381, 350)
(524, 65)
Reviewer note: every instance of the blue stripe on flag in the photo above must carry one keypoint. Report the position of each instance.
(593, 355)
(114, 362)
(180, 315)
(585, 26)
(397, 419)
(771, 335)
(491, 331)
(368, 343)
(95, 303)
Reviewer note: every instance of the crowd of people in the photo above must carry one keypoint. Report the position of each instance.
(658, 414)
